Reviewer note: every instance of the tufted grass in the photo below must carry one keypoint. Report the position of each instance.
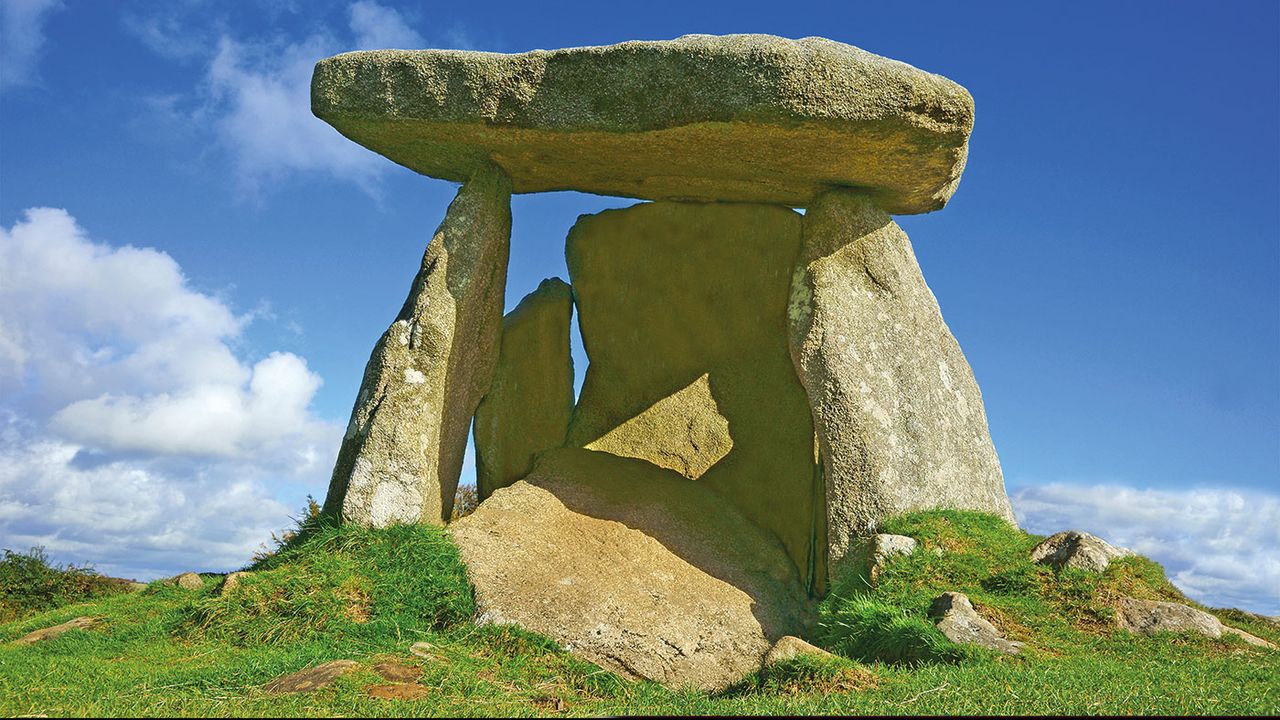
(368, 595)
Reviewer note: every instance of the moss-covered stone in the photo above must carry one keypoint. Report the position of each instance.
(530, 399)
(747, 118)
(682, 308)
(402, 453)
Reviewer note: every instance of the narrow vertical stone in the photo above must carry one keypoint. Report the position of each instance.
(530, 400)
(402, 452)
(898, 413)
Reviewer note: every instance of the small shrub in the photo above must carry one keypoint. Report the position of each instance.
(869, 630)
(29, 584)
(465, 502)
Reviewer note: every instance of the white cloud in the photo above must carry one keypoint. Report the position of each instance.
(1220, 546)
(22, 39)
(134, 435)
(377, 27)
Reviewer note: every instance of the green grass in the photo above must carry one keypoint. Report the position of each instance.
(367, 595)
(29, 584)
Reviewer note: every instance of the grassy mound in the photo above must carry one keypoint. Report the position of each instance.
(367, 595)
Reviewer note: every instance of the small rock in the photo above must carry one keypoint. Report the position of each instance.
(957, 619)
(883, 546)
(309, 679)
(232, 581)
(137, 586)
(789, 647)
(189, 581)
(80, 623)
(399, 691)
(1150, 616)
(395, 672)
(422, 649)
(1076, 549)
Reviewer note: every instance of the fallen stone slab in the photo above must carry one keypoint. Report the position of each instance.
(743, 118)
(791, 647)
(632, 567)
(957, 619)
(80, 623)
(309, 679)
(1148, 617)
(1072, 548)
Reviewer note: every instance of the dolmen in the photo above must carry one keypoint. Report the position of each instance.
(764, 385)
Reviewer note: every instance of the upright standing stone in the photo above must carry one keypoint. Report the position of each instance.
(898, 413)
(683, 308)
(531, 398)
(402, 452)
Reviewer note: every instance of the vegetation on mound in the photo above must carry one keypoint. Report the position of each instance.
(368, 595)
(29, 584)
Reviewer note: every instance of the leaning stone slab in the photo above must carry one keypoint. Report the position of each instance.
(80, 623)
(744, 118)
(957, 619)
(530, 399)
(632, 567)
(898, 414)
(1072, 548)
(309, 679)
(682, 308)
(402, 452)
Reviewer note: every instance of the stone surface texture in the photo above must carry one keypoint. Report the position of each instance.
(632, 567)
(530, 399)
(309, 679)
(898, 413)
(1148, 617)
(744, 118)
(791, 647)
(80, 623)
(189, 581)
(1072, 548)
(232, 581)
(957, 619)
(402, 452)
(682, 308)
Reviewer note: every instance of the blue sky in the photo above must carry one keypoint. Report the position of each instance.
(183, 330)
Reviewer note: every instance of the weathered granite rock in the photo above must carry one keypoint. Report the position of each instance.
(232, 581)
(682, 308)
(1072, 548)
(189, 581)
(309, 679)
(1149, 617)
(899, 416)
(80, 623)
(791, 647)
(402, 452)
(885, 546)
(746, 118)
(632, 567)
(530, 399)
(957, 619)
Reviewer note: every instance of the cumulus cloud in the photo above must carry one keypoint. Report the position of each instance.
(255, 95)
(376, 27)
(131, 427)
(1220, 546)
(22, 39)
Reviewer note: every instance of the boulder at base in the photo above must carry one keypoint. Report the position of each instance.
(743, 118)
(1148, 617)
(632, 567)
(957, 619)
